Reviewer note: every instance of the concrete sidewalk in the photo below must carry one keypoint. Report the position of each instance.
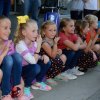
(86, 87)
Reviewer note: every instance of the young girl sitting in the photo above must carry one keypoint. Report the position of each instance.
(70, 44)
(28, 44)
(11, 64)
(92, 35)
(49, 47)
(86, 58)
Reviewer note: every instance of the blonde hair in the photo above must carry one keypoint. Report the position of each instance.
(18, 34)
(63, 23)
(44, 26)
(91, 19)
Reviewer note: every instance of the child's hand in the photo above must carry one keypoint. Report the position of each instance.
(6, 47)
(59, 51)
(94, 56)
(39, 40)
(92, 35)
(56, 39)
(21, 92)
(45, 59)
(98, 32)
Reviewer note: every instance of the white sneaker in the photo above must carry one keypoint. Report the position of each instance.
(75, 71)
(68, 75)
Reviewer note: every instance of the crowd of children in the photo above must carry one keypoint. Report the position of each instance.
(37, 58)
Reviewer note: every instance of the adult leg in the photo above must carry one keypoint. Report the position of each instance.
(1, 6)
(35, 9)
(26, 5)
(7, 7)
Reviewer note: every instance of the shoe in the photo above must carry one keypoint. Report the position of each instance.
(23, 97)
(75, 71)
(83, 69)
(7, 97)
(41, 86)
(51, 81)
(98, 62)
(28, 93)
(61, 77)
(68, 75)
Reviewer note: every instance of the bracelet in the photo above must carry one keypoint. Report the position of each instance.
(36, 52)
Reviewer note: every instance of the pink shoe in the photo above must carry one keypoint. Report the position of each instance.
(42, 86)
(7, 97)
(28, 93)
(23, 97)
(30, 96)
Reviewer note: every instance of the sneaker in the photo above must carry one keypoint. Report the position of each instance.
(28, 93)
(23, 97)
(41, 86)
(7, 97)
(69, 76)
(83, 69)
(75, 71)
(51, 82)
(61, 77)
(98, 62)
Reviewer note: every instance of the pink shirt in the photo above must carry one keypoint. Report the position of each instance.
(26, 52)
(11, 48)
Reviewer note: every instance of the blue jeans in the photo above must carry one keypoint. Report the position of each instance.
(44, 69)
(29, 73)
(34, 5)
(72, 58)
(12, 68)
(34, 71)
(5, 6)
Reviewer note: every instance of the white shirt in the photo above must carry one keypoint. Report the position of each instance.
(91, 5)
(77, 5)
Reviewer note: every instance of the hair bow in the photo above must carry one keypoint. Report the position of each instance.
(22, 19)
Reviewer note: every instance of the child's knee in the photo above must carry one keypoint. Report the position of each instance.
(1, 75)
(96, 47)
(63, 58)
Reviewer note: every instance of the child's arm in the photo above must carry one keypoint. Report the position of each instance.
(22, 49)
(82, 44)
(95, 38)
(88, 46)
(5, 50)
(52, 52)
(72, 45)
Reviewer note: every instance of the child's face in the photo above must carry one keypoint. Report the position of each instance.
(95, 24)
(31, 32)
(69, 27)
(50, 31)
(86, 29)
(5, 26)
